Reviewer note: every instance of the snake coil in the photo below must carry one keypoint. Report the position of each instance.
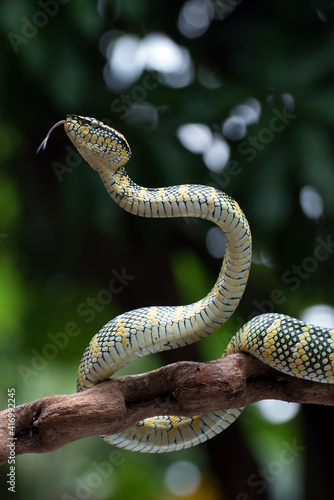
(284, 343)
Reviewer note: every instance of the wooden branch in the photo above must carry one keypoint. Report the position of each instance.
(184, 388)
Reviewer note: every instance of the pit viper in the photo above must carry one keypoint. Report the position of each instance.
(284, 343)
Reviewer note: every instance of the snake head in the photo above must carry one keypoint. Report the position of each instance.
(100, 145)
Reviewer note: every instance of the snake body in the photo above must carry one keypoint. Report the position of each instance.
(288, 345)
(153, 329)
(284, 343)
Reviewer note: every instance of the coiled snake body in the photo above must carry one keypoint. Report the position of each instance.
(282, 342)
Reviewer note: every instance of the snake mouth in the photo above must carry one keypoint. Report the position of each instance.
(69, 119)
(97, 138)
(44, 142)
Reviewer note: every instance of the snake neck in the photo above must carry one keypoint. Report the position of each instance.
(207, 314)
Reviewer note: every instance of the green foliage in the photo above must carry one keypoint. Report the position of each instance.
(61, 236)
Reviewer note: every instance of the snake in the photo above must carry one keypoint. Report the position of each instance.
(282, 342)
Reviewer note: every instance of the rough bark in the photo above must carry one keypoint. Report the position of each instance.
(183, 388)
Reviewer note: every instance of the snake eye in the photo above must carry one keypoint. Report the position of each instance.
(94, 123)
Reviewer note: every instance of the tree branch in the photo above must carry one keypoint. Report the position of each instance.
(183, 388)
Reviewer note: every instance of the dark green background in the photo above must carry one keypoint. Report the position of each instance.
(59, 241)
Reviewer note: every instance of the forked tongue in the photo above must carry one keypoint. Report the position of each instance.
(43, 144)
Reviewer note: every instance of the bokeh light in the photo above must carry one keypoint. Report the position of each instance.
(195, 17)
(247, 113)
(277, 412)
(321, 314)
(128, 56)
(217, 155)
(216, 242)
(196, 137)
(311, 202)
(183, 478)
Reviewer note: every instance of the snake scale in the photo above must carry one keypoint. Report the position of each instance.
(284, 343)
